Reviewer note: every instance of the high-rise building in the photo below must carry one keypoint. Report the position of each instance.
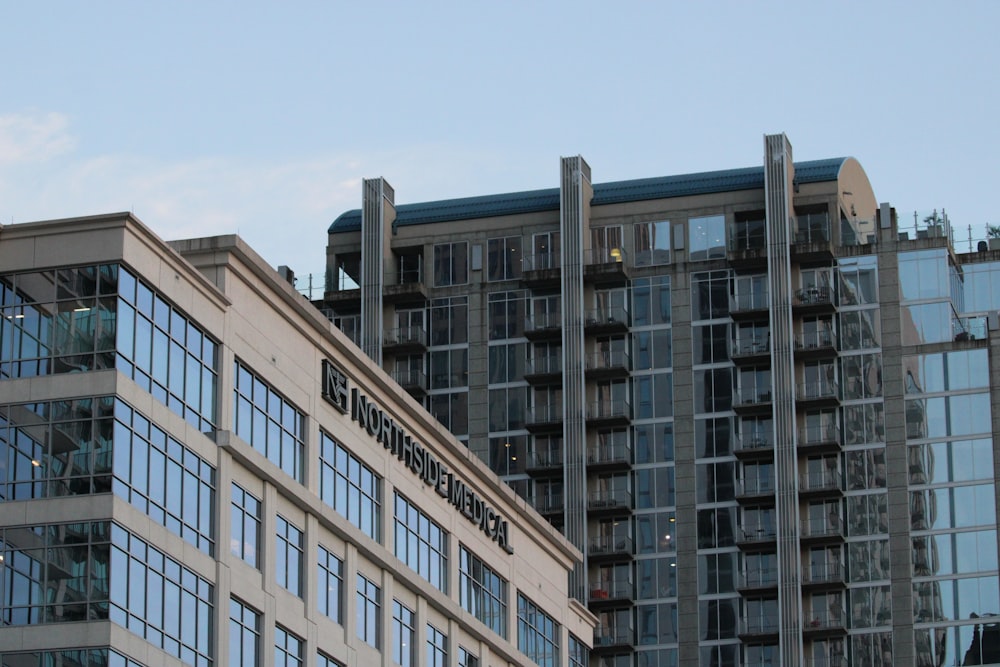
(764, 406)
(196, 468)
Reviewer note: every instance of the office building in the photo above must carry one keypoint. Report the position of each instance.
(762, 404)
(198, 469)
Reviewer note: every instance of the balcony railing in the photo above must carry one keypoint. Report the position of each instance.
(608, 637)
(755, 486)
(759, 626)
(544, 459)
(613, 315)
(750, 347)
(543, 322)
(741, 303)
(814, 296)
(820, 481)
(545, 414)
(822, 574)
(818, 390)
(759, 579)
(611, 453)
(619, 589)
(753, 396)
(832, 526)
(596, 256)
(540, 262)
(543, 366)
(610, 545)
(753, 442)
(549, 502)
(816, 341)
(609, 499)
(824, 619)
(813, 228)
(608, 360)
(405, 336)
(409, 379)
(609, 410)
(751, 535)
(820, 435)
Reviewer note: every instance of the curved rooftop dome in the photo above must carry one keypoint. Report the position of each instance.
(532, 201)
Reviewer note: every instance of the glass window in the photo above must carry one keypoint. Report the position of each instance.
(503, 258)
(506, 314)
(159, 599)
(329, 584)
(403, 635)
(323, 660)
(421, 543)
(350, 487)
(437, 647)
(466, 658)
(482, 592)
(244, 635)
(710, 296)
(652, 243)
(245, 540)
(537, 633)
(707, 237)
(369, 612)
(267, 421)
(451, 264)
(287, 648)
(288, 561)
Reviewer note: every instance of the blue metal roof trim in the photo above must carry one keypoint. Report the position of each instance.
(532, 201)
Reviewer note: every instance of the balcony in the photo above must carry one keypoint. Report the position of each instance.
(609, 413)
(405, 287)
(813, 300)
(832, 661)
(611, 639)
(414, 382)
(543, 370)
(610, 456)
(755, 490)
(607, 365)
(610, 593)
(826, 531)
(818, 394)
(824, 484)
(541, 270)
(751, 350)
(544, 463)
(611, 319)
(544, 326)
(813, 239)
(816, 345)
(757, 581)
(749, 306)
(609, 501)
(756, 539)
(405, 340)
(752, 400)
(747, 244)
(828, 576)
(758, 629)
(610, 548)
(605, 266)
(824, 623)
(548, 504)
(544, 418)
(819, 439)
(754, 446)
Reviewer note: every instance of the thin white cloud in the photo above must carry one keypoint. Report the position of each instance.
(33, 137)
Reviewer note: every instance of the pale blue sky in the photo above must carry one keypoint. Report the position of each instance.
(262, 117)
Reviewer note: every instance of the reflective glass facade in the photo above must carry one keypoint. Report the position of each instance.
(288, 564)
(350, 487)
(368, 611)
(157, 598)
(482, 592)
(330, 584)
(245, 519)
(537, 633)
(266, 420)
(421, 543)
(403, 635)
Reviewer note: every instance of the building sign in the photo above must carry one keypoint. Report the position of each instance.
(420, 460)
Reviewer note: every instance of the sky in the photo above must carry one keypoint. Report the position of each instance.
(261, 118)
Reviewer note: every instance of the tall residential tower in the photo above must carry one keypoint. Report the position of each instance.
(760, 403)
